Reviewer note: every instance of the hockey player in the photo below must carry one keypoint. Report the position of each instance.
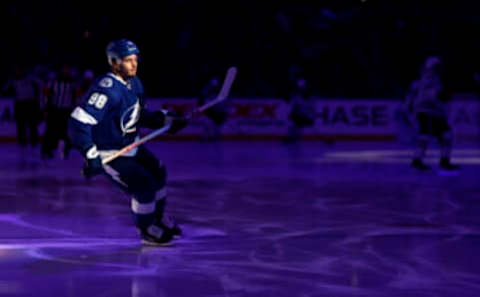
(426, 100)
(106, 121)
(302, 110)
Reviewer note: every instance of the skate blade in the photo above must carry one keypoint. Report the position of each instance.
(150, 243)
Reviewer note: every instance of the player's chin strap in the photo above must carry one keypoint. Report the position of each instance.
(224, 91)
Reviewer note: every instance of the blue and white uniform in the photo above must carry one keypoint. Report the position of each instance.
(107, 120)
(109, 114)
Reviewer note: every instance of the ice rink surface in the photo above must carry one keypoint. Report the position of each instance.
(260, 219)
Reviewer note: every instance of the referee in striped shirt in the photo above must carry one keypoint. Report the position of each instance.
(61, 99)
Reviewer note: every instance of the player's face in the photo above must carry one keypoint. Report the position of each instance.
(128, 66)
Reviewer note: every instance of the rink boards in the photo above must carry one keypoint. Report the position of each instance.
(265, 118)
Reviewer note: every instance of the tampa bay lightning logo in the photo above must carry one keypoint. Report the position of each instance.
(129, 119)
(107, 82)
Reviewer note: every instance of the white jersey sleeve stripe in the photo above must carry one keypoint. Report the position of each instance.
(84, 117)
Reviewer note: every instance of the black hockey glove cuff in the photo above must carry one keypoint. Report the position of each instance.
(93, 163)
(177, 122)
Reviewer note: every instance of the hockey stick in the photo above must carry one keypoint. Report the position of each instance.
(224, 91)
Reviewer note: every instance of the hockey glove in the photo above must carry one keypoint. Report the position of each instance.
(93, 164)
(177, 122)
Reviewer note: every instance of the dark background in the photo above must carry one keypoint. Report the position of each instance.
(344, 48)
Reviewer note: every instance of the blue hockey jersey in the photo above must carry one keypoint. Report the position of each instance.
(109, 115)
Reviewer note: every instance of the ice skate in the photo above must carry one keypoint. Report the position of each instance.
(447, 168)
(156, 236)
(418, 164)
(170, 224)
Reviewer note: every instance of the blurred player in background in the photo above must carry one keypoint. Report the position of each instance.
(218, 114)
(427, 102)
